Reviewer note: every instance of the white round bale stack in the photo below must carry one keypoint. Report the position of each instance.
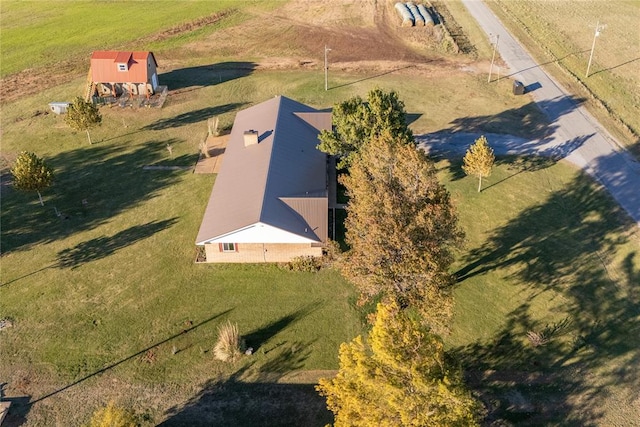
(419, 20)
(405, 14)
(428, 19)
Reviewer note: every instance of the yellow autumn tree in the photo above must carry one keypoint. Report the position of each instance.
(399, 377)
(479, 159)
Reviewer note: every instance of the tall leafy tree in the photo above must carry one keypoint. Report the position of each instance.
(479, 159)
(82, 115)
(30, 173)
(399, 377)
(356, 121)
(401, 226)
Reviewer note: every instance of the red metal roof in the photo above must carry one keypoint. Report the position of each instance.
(123, 57)
(104, 66)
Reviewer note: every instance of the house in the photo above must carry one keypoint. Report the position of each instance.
(113, 73)
(269, 202)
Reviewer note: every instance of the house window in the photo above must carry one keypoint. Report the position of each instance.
(228, 247)
(122, 67)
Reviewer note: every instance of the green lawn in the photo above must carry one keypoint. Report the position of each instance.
(106, 291)
(547, 252)
(103, 293)
(43, 34)
(111, 289)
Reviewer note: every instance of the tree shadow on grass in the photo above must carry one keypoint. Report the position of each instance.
(193, 116)
(92, 185)
(536, 153)
(534, 119)
(560, 249)
(104, 246)
(525, 130)
(255, 339)
(517, 164)
(239, 403)
(206, 75)
(520, 164)
(255, 395)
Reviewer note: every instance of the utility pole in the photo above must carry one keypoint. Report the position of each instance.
(593, 46)
(326, 68)
(493, 57)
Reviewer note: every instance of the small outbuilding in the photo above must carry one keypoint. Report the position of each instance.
(113, 73)
(59, 107)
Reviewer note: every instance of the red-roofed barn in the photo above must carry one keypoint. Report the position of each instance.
(114, 73)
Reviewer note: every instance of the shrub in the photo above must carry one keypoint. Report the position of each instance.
(112, 416)
(331, 254)
(229, 346)
(309, 264)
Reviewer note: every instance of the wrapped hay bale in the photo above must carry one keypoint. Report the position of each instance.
(428, 19)
(417, 17)
(405, 14)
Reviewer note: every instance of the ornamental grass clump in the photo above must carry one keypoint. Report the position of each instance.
(229, 346)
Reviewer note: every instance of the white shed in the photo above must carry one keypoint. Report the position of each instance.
(59, 107)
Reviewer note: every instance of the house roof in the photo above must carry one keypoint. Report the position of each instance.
(280, 183)
(104, 66)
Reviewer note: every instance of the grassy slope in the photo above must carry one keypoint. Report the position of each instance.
(54, 34)
(548, 252)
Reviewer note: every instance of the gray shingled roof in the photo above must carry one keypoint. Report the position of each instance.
(281, 181)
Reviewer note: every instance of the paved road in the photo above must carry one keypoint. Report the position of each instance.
(575, 135)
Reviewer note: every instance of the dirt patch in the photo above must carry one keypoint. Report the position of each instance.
(365, 31)
(190, 26)
(34, 80)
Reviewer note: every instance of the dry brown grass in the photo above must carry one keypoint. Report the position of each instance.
(228, 348)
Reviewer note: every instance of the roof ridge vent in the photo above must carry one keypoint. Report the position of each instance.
(250, 137)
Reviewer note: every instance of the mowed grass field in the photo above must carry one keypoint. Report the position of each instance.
(107, 303)
(547, 254)
(56, 34)
(562, 33)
